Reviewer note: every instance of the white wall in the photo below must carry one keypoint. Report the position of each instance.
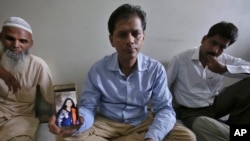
(72, 34)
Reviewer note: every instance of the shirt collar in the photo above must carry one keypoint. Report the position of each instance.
(141, 64)
(195, 56)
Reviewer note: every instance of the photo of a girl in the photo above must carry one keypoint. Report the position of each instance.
(67, 115)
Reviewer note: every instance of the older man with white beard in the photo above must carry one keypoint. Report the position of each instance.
(21, 75)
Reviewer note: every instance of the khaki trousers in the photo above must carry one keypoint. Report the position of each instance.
(18, 129)
(21, 138)
(107, 130)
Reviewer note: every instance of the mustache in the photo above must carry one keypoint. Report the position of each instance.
(132, 46)
(212, 54)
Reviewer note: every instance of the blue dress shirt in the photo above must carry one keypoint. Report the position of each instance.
(125, 99)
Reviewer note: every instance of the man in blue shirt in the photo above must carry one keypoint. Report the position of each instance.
(119, 87)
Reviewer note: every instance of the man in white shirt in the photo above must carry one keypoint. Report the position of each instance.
(197, 76)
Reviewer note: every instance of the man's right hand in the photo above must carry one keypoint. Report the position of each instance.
(53, 128)
(215, 66)
(10, 80)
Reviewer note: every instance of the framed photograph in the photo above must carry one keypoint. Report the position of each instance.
(66, 106)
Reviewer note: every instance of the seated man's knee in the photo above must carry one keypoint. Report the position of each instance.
(205, 123)
(207, 127)
(21, 138)
(200, 122)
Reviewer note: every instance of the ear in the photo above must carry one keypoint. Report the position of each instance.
(31, 43)
(203, 39)
(143, 36)
(111, 40)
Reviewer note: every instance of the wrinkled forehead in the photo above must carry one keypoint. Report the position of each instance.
(15, 32)
(133, 22)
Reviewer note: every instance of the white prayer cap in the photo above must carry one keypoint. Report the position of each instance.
(18, 22)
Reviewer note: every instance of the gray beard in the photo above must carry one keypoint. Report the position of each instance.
(12, 62)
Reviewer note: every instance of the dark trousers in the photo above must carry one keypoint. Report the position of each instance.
(233, 100)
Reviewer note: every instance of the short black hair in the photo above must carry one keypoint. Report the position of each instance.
(125, 11)
(224, 29)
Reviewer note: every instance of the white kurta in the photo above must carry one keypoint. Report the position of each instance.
(17, 110)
